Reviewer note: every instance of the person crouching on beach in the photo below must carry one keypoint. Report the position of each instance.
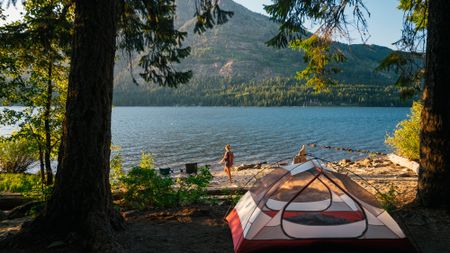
(228, 160)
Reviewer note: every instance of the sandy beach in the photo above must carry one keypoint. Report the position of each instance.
(376, 174)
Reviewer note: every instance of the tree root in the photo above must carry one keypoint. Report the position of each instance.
(96, 234)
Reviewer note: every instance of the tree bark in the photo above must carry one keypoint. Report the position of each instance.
(82, 201)
(434, 174)
(47, 129)
(41, 164)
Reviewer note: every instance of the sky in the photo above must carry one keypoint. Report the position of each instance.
(385, 22)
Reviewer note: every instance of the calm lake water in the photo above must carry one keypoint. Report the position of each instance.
(178, 135)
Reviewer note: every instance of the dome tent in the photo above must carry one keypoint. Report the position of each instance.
(309, 204)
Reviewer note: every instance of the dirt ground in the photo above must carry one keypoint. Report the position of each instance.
(202, 228)
(188, 230)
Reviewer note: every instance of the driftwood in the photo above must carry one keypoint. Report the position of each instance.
(250, 166)
(226, 191)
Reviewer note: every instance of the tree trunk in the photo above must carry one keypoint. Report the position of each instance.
(81, 201)
(434, 174)
(48, 139)
(41, 164)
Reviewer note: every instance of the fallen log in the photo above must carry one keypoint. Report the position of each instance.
(250, 166)
(226, 191)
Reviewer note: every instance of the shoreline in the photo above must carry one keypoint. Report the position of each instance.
(380, 175)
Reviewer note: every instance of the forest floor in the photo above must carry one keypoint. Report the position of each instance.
(202, 228)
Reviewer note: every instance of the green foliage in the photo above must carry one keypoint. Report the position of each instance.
(416, 13)
(117, 173)
(406, 137)
(145, 187)
(147, 161)
(30, 185)
(19, 183)
(192, 189)
(34, 66)
(318, 55)
(388, 199)
(16, 155)
(39, 191)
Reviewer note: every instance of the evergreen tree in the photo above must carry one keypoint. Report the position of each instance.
(81, 202)
(434, 176)
(33, 56)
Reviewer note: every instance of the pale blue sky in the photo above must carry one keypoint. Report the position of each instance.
(385, 22)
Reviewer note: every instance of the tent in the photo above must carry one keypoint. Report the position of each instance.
(309, 205)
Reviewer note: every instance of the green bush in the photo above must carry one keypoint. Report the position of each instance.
(16, 155)
(147, 188)
(116, 173)
(193, 188)
(406, 138)
(29, 185)
(388, 198)
(19, 183)
(147, 161)
(144, 186)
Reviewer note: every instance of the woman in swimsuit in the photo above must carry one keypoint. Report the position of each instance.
(228, 160)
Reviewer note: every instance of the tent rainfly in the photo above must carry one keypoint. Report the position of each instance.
(310, 206)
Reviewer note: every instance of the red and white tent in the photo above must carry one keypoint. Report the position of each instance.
(308, 204)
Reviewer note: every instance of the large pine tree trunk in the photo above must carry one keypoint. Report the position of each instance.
(81, 201)
(434, 176)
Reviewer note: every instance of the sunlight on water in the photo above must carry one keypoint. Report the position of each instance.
(179, 135)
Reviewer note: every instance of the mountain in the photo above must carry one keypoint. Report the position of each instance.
(226, 59)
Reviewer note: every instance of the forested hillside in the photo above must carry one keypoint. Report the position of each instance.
(233, 66)
(269, 92)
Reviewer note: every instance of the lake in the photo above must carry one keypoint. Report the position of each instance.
(179, 135)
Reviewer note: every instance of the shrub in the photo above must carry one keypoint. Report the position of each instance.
(193, 188)
(30, 185)
(145, 187)
(116, 173)
(147, 161)
(16, 155)
(406, 138)
(18, 182)
(388, 198)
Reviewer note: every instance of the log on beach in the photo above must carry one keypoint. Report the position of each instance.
(226, 191)
(250, 166)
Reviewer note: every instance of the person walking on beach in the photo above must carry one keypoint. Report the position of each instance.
(228, 160)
